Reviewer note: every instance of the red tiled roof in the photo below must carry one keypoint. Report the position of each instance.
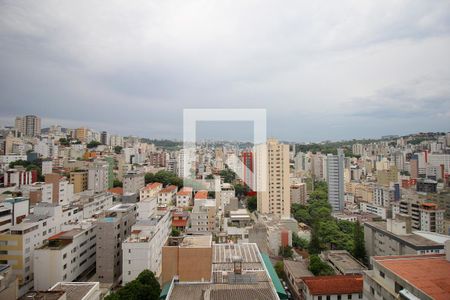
(186, 191)
(428, 273)
(152, 186)
(334, 284)
(179, 223)
(116, 190)
(169, 189)
(201, 195)
(56, 236)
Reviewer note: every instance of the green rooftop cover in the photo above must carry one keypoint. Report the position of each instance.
(165, 290)
(273, 275)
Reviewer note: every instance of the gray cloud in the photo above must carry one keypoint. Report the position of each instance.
(318, 68)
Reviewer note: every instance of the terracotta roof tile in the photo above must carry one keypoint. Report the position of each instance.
(334, 284)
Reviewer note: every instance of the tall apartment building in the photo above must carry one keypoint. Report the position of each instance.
(62, 192)
(79, 179)
(104, 138)
(273, 173)
(17, 246)
(133, 182)
(65, 257)
(114, 228)
(81, 134)
(28, 125)
(335, 179)
(98, 178)
(247, 172)
(143, 248)
(298, 193)
(424, 216)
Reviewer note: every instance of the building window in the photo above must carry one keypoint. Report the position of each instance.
(319, 298)
(328, 297)
(349, 296)
(372, 291)
(382, 274)
(339, 297)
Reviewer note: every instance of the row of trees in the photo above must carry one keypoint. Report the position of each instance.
(29, 166)
(165, 177)
(327, 232)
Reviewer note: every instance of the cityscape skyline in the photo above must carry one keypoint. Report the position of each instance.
(213, 136)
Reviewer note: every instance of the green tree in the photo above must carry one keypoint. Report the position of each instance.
(252, 203)
(299, 242)
(144, 287)
(279, 268)
(93, 144)
(118, 149)
(228, 175)
(359, 250)
(314, 243)
(117, 183)
(164, 177)
(175, 232)
(286, 252)
(318, 267)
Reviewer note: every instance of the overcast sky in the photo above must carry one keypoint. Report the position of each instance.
(322, 69)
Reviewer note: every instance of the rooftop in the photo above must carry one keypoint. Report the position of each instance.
(196, 291)
(413, 268)
(185, 191)
(152, 186)
(334, 284)
(196, 241)
(344, 262)
(201, 195)
(298, 269)
(75, 290)
(169, 189)
(413, 239)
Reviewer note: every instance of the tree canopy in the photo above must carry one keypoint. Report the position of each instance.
(164, 177)
(144, 287)
(318, 267)
(252, 203)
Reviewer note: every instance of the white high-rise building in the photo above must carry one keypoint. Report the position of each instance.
(275, 197)
(335, 179)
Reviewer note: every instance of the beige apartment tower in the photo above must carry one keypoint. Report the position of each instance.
(273, 186)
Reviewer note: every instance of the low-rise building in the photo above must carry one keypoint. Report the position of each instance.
(333, 287)
(167, 195)
(408, 277)
(203, 216)
(151, 190)
(195, 268)
(184, 197)
(342, 262)
(295, 271)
